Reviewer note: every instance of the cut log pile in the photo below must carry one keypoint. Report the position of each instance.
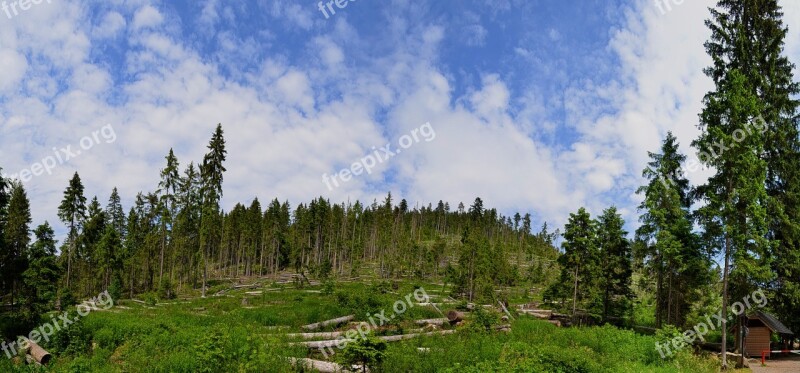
(344, 335)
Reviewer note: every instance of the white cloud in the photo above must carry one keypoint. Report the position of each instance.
(147, 17)
(112, 24)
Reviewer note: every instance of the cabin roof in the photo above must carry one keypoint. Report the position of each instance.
(771, 322)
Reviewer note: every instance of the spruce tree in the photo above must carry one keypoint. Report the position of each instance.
(615, 268)
(41, 277)
(72, 212)
(749, 35)
(4, 272)
(211, 174)
(734, 198)
(116, 214)
(670, 251)
(580, 257)
(168, 186)
(17, 236)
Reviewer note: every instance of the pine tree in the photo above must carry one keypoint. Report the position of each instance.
(116, 214)
(42, 275)
(93, 228)
(5, 279)
(17, 236)
(72, 212)
(749, 36)
(579, 260)
(734, 213)
(170, 180)
(211, 174)
(616, 266)
(671, 252)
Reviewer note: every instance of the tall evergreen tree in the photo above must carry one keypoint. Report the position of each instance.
(735, 198)
(211, 174)
(72, 212)
(89, 258)
(671, 252)
(168, 186)
(579, 260)
(41, 277)
(749, 36)
(116, 214)
(5, 279)
(616, 266)
(17, 236)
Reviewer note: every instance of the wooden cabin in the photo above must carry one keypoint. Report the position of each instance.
(760, 328)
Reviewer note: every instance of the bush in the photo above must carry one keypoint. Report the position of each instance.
(483, 320)
(328, 287)
(150, 298)
(115, 289)
(166, 290)
(210, 352)
(368, 352)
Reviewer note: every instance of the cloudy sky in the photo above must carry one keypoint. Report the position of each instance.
(539, 106)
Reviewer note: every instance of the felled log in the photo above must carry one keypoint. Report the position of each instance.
(324, 335)
(439, 322)
(245, 286)
(343, 341)
(38, 354)
(555, 322)
(455, 316)
(503, 328)
(395, 338)
(539, 314)
(323, 344)
(322, 324)
(505, 309)
(317, 365)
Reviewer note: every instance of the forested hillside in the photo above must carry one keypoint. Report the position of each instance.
(177, 238)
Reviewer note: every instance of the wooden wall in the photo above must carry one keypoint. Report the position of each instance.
(757, 340)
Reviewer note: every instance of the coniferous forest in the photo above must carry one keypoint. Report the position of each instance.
(197, 287)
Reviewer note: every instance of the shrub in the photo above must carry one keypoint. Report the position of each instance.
(328, 287)
(210, 352)
(150, 298)
(166, 290)
(369, 352)
(115, 289)
(483, 320)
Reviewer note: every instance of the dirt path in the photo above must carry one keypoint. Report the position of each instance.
(778, 364)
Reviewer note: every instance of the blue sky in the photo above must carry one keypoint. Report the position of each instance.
(537, 106)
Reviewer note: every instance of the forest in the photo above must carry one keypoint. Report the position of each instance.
(694, 250)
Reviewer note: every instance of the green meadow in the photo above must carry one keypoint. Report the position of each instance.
(245, 330)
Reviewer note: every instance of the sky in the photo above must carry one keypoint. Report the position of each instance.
(536, 106)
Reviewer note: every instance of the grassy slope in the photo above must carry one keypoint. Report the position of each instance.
(219, 334)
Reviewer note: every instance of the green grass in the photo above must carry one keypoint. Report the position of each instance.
(219, 334)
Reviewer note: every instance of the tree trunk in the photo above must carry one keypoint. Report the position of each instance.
(575, 293)
(724, 328)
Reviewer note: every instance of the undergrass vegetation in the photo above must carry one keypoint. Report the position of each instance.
(227, 333)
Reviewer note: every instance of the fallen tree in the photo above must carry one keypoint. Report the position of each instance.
(325, 335)
(343, 341)
(318, 365)
(454, 316)
(37, 353)
(439, 322)
(336, 321)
